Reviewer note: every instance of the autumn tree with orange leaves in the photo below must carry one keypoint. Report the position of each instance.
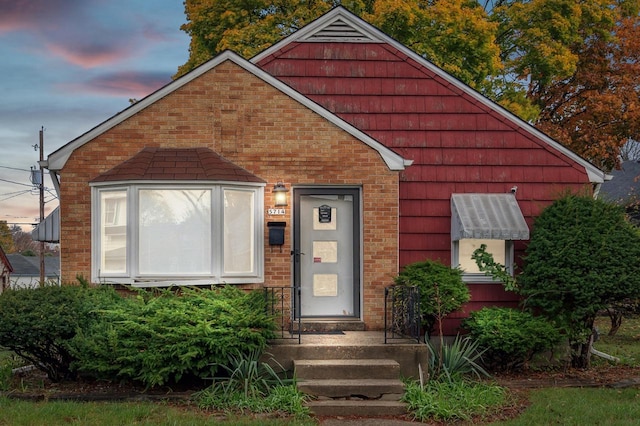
(569, 67)
(579, 63)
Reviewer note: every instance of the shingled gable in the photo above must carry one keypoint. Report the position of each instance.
(367, 97)
(56, 160)
(177, 164)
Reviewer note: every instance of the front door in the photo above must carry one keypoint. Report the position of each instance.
(326, 251)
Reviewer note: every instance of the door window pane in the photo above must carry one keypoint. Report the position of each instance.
(174, 231)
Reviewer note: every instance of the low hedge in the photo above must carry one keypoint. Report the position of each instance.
(511, 337)
(152, 337)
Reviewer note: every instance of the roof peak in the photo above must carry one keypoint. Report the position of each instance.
(339, 29)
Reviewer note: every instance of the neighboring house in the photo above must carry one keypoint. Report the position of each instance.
(385, 160)
(624, 189)
(5, 271)
(26, 270)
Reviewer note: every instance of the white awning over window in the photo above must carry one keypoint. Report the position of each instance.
(49, 229)
(487, 216)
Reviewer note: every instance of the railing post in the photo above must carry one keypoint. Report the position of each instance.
(404, 311)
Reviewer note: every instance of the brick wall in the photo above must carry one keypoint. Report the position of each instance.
(255, 126)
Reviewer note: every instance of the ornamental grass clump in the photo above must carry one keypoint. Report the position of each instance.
(457, 400)
(455, 361)
(248, 384)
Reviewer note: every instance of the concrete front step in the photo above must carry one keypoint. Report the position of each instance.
(328, 325)
(364, 408)
(351, 345)
(390, 389)
(346, 368)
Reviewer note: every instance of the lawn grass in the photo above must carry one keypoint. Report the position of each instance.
(16, 413)
(592, 406)
(566, 406)
(624, 345)
(580, 406)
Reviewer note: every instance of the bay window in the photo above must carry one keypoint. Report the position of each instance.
(160, 235)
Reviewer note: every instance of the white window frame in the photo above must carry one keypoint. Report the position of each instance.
(217, 274)
(481, 277)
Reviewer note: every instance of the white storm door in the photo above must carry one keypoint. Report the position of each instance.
(326, 252)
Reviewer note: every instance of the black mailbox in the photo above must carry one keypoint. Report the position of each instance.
(276, 233)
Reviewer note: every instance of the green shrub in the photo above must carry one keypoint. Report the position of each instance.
(583, 256)
(511, 337)
(159, 338)
(442, 290)
(38, 323)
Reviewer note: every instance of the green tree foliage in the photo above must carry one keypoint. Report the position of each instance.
(578, 62)
(583, 256)
(6, 238)
(456, 34)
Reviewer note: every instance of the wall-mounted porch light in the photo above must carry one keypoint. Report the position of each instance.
(280, 194)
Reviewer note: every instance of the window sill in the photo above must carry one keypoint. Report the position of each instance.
(168, 282)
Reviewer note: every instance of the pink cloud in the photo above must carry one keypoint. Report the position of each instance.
(18, 15)
(74, 30)
(89, 56)
(123, 84)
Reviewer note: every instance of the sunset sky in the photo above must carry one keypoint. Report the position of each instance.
(68, 65)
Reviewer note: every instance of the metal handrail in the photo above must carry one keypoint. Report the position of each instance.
(281, 304)
(402, 313)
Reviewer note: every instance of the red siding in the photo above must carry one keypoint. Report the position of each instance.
(457, 144)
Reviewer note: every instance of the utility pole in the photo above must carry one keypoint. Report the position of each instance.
(41, 205)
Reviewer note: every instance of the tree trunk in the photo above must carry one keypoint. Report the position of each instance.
(616, 320)
(582, 351)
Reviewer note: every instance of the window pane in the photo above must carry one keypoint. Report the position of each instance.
(113, 232)
(469, 245)
(238, 231)
(174, 231)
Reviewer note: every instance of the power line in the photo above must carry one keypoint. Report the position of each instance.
(16, 195)
(16, 183)
(14, 168)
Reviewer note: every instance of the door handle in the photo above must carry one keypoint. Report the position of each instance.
(296, 255)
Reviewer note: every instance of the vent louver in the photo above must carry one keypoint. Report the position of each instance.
(340, 30)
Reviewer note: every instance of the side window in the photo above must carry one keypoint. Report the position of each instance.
(463, 249)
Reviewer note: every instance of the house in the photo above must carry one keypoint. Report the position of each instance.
(383, 159)
(5, 270)
(624, 189)
(26, 270)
